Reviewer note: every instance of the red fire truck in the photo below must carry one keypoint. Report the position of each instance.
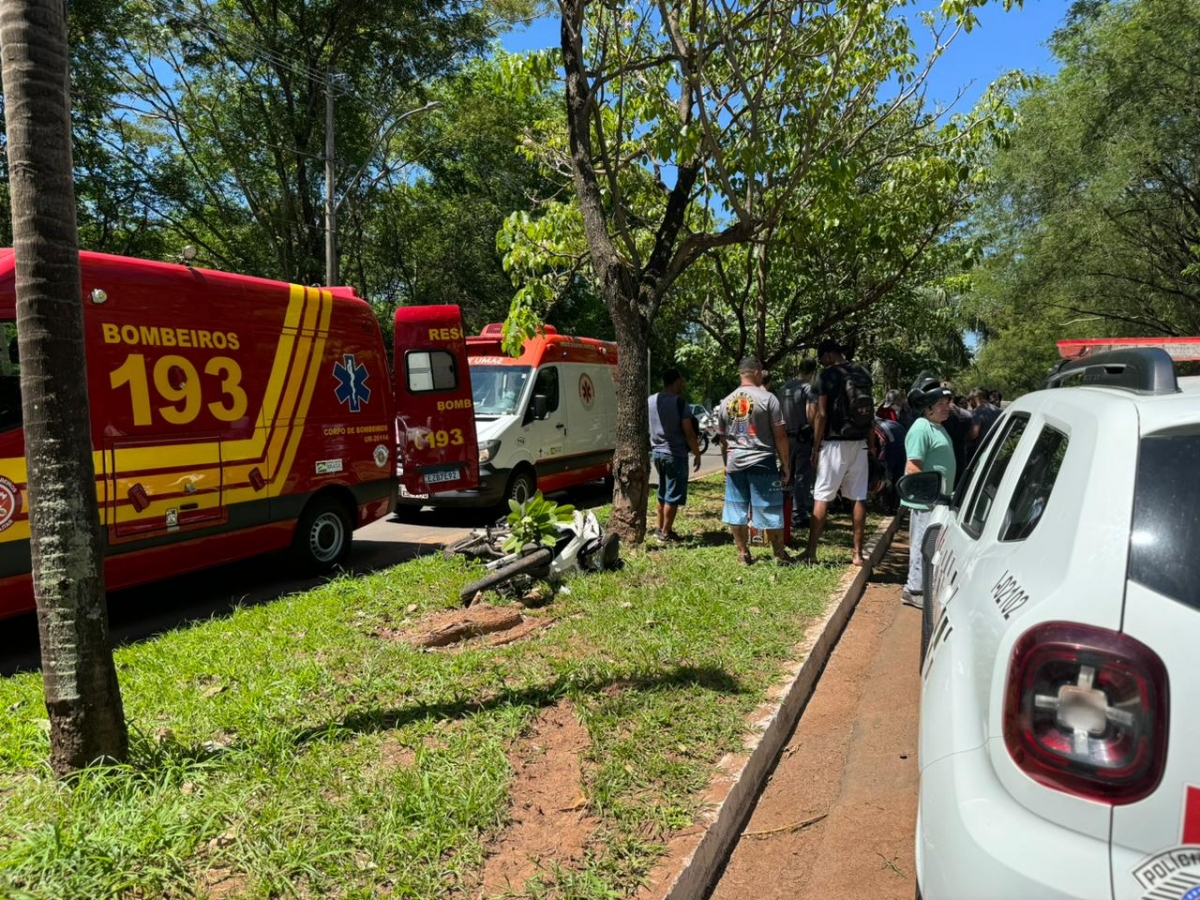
(233, 416)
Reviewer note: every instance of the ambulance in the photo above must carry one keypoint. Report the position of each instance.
(546, 420)
(233, 416)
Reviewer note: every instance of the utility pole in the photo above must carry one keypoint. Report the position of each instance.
(331, 201)
(331, 259)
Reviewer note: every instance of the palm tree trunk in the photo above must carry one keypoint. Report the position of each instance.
(83, 698)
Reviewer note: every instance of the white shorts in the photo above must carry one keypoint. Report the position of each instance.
(843, 464)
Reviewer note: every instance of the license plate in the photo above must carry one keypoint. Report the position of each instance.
(441, 476)
(404, 492)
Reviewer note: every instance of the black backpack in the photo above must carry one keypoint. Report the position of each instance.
(855, 405)
(797, 402)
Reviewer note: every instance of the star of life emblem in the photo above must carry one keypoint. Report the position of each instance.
(352, 383)
(587, 390)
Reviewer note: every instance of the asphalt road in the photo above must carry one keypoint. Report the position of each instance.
(142, 612)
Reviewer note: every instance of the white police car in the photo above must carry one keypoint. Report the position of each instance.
(1060, 708)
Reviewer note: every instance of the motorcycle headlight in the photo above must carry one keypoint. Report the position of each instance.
(488, 450)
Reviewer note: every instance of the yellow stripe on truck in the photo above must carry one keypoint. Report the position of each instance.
(325, 300)
(17, 531)
(162, 483)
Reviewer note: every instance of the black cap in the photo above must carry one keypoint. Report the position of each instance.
(921, 399)
(829, 345)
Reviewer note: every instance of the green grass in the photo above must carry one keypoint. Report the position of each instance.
(292, 750)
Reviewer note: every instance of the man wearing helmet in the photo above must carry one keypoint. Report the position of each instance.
(929, 449)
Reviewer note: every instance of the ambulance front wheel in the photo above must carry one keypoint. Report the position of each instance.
(521, 486)
(324, 536)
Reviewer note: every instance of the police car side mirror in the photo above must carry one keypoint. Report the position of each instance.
(922, 488)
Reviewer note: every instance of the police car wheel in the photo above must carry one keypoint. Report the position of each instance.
(324, 536)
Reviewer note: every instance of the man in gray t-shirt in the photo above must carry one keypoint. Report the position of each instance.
(747, 420)
(750, 424)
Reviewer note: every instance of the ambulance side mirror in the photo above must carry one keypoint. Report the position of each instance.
(538, 408)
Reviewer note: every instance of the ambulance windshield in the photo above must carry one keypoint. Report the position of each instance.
(10, 380)
(497, 389)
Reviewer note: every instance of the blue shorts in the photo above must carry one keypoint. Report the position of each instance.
(672, 479)
(756, 489)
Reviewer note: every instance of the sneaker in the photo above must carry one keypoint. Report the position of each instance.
(673, 538)
(916, 601)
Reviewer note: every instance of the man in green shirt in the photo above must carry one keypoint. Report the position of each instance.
(929, 449)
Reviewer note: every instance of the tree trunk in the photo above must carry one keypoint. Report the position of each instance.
(631, 460)
(83, 698)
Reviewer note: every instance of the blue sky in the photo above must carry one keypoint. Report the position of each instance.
(1004, 41)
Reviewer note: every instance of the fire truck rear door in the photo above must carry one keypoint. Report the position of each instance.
(435, 413)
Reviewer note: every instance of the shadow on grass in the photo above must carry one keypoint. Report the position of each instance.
(145, 612)
(370, 721)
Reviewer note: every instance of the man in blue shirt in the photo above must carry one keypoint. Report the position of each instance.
(672, 434)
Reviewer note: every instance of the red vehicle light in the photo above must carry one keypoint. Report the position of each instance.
(1085, 712)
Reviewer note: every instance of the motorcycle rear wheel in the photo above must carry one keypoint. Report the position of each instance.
(526, 565)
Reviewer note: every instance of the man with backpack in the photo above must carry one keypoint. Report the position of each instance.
(795, 397)
(842, 414)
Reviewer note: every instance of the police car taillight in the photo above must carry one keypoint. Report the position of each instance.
(1085, 712)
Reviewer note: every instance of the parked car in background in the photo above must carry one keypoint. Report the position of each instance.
(1060, 695)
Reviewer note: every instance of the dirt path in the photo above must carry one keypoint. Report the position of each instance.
(836, 818)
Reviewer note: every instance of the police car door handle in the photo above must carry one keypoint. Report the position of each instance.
(561, 425)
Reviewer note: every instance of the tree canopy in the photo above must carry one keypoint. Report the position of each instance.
(1092, 220)
(708, 134)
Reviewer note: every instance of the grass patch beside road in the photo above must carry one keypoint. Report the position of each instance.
(289, 750)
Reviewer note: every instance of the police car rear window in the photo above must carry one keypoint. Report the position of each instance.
(1032, 493)
(1166, 517)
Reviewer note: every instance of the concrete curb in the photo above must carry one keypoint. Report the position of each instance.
(739, 779)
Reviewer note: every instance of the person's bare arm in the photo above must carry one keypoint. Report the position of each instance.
(784, 449)
(820, 414)
(912, 467)
(689, 434)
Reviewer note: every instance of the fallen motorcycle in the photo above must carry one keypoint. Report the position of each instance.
(581, 545)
